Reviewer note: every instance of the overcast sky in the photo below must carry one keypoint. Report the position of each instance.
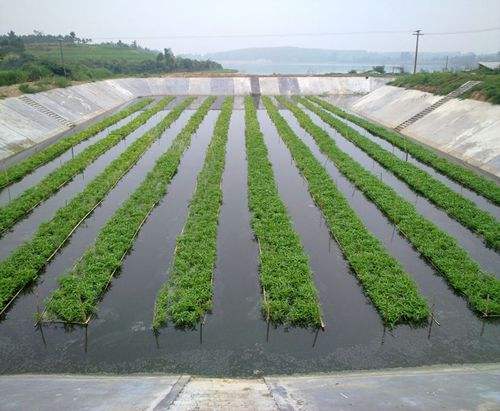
(98, 19)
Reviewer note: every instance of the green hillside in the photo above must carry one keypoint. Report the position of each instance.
(445, 82)
(34, 62)
(83, 52)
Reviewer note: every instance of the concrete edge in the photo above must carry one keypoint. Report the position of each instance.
(445, 368)
(173, 393)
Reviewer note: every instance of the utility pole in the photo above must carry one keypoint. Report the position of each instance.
(418, 34)
(62, 58)
(446, 66)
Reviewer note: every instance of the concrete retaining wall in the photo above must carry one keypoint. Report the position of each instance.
(22, 126)
(466, 129)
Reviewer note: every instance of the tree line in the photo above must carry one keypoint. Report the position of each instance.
(18, 64)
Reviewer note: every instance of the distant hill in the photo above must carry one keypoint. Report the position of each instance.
(316, 55)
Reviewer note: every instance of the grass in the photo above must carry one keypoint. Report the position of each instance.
(75, 53)
(445, 82)
(80, 290)
(468, 178)
(187, 295)
(464, 275)
(24, 264)
(290, 296)
(53, 182)
(461, 209)
(21, 169)
(389, 287)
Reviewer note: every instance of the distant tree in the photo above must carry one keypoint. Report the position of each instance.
(160, 57)
(72, 36)
(169, 59)
(379, 69)
(11, 43)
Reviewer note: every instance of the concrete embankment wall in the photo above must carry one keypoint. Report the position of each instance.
(25, 122)
(465, 129)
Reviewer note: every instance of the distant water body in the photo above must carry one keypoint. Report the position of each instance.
(263, 67)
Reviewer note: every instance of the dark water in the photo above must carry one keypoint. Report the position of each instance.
(25, 228)
(488, 258)
(234, 339)
(480, 201)
(14, 190)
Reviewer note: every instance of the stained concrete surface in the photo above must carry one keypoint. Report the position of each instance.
(464, 129)
(467, 387)
(22, 126)
(467, 130)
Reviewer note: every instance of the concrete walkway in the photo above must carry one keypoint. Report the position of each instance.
(473, 387)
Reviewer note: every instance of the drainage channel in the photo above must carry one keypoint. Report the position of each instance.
(461, 336)
(25, 228)
(480, 201)
(17, 188)
(237, 296)
(341, 297)
(488, 258)
(49, 347)
(122, 328)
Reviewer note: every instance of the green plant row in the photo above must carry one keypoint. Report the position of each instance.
(482, 290)
(456, 206)
(468, 178)
(19, 170)
(392, 291)
(53, 182)
(187, 295)
(23, 265)
(289, 294)
(79, 290)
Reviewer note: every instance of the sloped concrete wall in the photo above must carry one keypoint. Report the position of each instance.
(22, 126)
(391, 105)
(466, 129)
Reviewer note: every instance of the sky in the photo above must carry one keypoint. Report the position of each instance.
(147, 20)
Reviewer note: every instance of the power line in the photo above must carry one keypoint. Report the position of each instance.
(462, 32)
(306, 34)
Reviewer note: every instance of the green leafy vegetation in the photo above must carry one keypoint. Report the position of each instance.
(392, 291)
(481, 289)
(53, 182)
(481, 185)
(21, 169)
(456, 206)
(187, 295)
(24, 264)
(445, 82)
(37, 58)
(289, 294)
(80, 290)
